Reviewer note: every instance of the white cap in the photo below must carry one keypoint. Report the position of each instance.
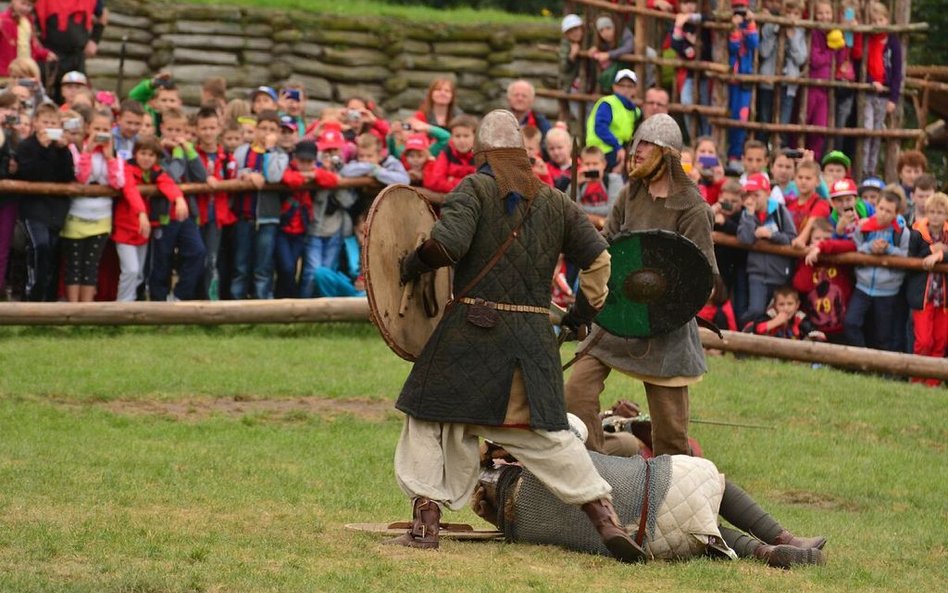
(571, 21)
(626, 73)
(75, 77)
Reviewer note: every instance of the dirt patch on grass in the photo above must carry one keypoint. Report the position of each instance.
(815, 499)
(282, 409)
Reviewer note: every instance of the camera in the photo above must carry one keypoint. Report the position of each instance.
(336, 161)
(741, 10)
(727, 206)
(695, 18)
(591, 174)
(164, 83)
(533, 160)
(27, 83)
(353, 114)
(406, 127)
(11, 120)
(73, 124)
(793, 153)
(101, 137)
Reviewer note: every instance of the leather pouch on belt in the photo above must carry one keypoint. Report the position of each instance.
(481, 314)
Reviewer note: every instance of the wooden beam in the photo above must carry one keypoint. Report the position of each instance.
(848, 357)
(803, 129)
(186, 312)
(593, 97)
(852, 258)
(71, 190)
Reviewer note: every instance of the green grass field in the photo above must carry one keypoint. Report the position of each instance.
(228, 460)
(378, 8)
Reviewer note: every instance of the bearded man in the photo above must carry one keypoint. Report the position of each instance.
(659, 195)
(491, 368)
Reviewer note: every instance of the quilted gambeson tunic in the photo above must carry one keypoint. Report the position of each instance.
(465, 372)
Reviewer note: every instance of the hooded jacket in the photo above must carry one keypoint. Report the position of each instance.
(131, 204)
(878, 280)
(449, 169)
(919, 284)
(772, 269)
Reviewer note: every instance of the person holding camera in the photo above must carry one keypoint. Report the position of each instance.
(89, 220)
(9, 118)
(44, 156)
(157, 94)
(360, 117)
(598, 189)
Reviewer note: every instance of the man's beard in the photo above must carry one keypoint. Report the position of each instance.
(651, 168)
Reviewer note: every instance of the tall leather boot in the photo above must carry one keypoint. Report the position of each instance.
(426, 520)
(743, 512)
(603, 517)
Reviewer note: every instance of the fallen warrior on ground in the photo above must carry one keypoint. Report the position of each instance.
(682, 498)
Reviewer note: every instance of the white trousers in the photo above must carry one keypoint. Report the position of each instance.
(441, 461)
(132, 269)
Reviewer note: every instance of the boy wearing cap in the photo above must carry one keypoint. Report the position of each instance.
(572, 29)
(614, 118)
(70, 85)
(870, 189)
(296, 214)
(416, 159)
(764, 218)
(293, 105)
(257, 211)
(877, 287)
(289, 134)
(848, 210)
(263, 98)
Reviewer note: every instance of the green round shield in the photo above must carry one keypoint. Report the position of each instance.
(659, 282)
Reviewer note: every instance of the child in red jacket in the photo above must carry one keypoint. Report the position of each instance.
(18, 21)
(457, 160)
(134, 217)
(296, 213)
(927, 291)
(825, 288)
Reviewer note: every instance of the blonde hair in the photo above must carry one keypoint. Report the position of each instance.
(236, 109)
(796, 5)
(24, 68)
(878, 9)
(937, 199)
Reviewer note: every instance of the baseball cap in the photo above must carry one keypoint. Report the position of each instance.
(838, 157)
(604, 22)
(305, 151)
(756, 182)
(331, 137)
(843, 187)
(416, 142)
(571, 21)
(75, 77)
(287, 121)
(266, 90)
(626, 73)
(871, 183)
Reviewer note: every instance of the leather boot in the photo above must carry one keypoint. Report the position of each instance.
(787, 538)
(784, 556)
(426, 519)
(617, 540)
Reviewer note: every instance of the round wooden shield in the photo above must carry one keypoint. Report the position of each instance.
(399, 220)
(659, 282)
(458, 531)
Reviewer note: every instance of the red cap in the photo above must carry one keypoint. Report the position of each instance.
(416, 142)
(844, 187)
(331, 137)
(757, 182)
(736, 3)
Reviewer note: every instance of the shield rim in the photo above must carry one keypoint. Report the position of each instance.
(622, 235)
(370, 295)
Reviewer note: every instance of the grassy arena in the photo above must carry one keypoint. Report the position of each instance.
(228, 460)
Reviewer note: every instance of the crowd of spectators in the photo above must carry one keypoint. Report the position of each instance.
(305, 241)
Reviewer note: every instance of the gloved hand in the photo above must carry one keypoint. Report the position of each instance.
(411, 268)
(579, 317)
